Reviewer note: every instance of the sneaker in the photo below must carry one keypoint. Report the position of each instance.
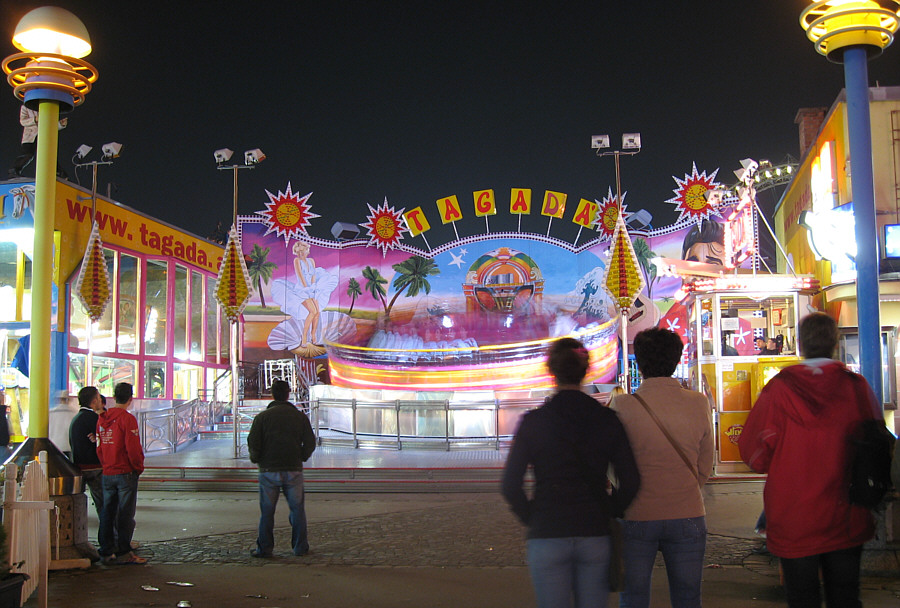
(257, 553)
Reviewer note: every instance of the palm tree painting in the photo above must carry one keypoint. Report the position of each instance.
(644, 255)
(353, 291)
(375, 284)
(260, 270)
(412, 277)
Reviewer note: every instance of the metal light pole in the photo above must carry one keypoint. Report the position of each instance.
(94, 305)
(233, 303)
(631, 145)
(850, 32)
(50, 76)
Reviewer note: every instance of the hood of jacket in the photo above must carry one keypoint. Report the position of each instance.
(818, 385)
(110, 415)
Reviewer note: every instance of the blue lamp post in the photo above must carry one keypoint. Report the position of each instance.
(850, 32)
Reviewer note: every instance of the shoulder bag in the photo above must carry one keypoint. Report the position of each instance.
(668, 436)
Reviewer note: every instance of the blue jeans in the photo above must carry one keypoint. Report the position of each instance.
(291, 484)
(840, 575)
(682, 542)
(117, 515)
(570, 571)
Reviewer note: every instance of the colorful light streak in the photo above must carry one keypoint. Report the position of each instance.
(517, 366)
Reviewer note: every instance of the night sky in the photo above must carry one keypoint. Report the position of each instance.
(415, 101)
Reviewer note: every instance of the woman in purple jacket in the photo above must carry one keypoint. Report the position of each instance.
(570, 441)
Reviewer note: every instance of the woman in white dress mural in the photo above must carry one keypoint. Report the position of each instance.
(305, 298)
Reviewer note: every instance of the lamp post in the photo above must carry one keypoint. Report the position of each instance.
(50, 76)
(228, 290)
(94, 302)
(631, 145)
(849, 32)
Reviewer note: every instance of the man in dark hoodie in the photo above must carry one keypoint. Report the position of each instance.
(83, 441)
(799, 433)
(122, 457)
(281, 439)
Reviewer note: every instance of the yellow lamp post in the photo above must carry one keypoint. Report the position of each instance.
(851, 32)
(49, 76)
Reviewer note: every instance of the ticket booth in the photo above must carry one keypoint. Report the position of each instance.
(726, 315)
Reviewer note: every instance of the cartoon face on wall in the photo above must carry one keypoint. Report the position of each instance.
(643, 315)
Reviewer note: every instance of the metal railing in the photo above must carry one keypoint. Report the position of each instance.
(167, 429)
(440, 424)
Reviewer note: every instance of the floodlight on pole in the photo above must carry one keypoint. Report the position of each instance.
(233, 284)
(851, 32)
(631, 145)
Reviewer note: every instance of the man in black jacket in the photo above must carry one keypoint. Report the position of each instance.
(83, 440)
(281, 439)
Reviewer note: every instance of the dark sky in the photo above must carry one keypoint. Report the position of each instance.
(413, 101)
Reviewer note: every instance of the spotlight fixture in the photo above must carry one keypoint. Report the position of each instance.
(111, 150)
(599, 141)
(253, 157)
(82, 151)
(631, 141)
(223, 155)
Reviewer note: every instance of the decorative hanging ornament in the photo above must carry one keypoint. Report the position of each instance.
(623, 280)
(287, 214)
(385, 227)
(608, 214)
(93, 284)
(691, 198)
(233, 284)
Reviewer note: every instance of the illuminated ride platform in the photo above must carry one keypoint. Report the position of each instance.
(445, 397)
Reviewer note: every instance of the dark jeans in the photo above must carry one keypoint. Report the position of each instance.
(683, 545)
(840, 575)
(270, 485)
(93, 479)
(117, 516)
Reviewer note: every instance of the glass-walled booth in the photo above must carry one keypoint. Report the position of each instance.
(742, 331)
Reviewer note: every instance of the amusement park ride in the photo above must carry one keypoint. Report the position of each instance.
(444, 342)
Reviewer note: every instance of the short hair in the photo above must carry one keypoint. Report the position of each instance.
(86, 395)
(657, 352)
(567, 360)
(281, 390)
(709, 231)
(818, 336)
(122, 392)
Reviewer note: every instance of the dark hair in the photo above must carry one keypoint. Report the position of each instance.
(123, 392)
(709, 231)
(86, 395)
(281, 390)
(818, 336)
(657, 352)
(567, 360)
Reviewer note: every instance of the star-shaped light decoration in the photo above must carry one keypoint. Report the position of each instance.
(690, 196)
(385, 227)
(287, 214)
(623, 280)
(93, 285)
(608, 214)
(233, 284)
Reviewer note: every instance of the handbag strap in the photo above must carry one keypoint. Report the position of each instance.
(668, 436)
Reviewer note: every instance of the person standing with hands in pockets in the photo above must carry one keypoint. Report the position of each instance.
(122, 457)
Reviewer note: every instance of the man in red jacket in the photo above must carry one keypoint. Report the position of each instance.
(799, 432)
(122, 457)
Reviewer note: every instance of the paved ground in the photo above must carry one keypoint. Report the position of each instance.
(386, 550)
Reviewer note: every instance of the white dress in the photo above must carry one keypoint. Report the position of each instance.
(290, 295)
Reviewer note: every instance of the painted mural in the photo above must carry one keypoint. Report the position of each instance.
(390, 290)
